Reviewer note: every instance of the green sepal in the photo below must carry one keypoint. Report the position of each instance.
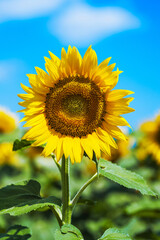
(19, 144)
(16, 232)
(114, 234)
(124, 177)
(68, 232)
(96, 162)
(20, 199)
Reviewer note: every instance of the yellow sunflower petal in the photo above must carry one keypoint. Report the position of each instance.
(114, 131)
(54, 58)
(105, 148)
(116, 120)
(118, 110)
(86, 146)
(51, 145)
(117, 94)
(74, 61)
(37, 84)
(42, 139)
(52, 69)
(77, 150)
(104, 136)
(94, 141)
(26, 89)
(67, 146)
(59, 149)
(34, 120)
(89, 62)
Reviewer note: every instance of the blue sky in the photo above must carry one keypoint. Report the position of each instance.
(126, 30)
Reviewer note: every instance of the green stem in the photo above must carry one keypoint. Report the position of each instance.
(66, 206)
(57, 216)
(57, 164)
(76, 197)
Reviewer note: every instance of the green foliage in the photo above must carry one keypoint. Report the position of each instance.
(10, 137)
(19, 144)
(68, 232)
(16, 232)
(124, 177)
(143, 205)
(20, 199)
(114, 234)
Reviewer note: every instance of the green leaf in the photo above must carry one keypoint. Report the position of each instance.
(143, 205)
(20, 199)
(124, 177)
(68, 232)
(114, 234)
(19, 144)
(16, 232)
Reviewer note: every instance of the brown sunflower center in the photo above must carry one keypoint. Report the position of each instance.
(75, 106)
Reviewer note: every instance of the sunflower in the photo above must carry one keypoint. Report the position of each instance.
(150, 144)
(121, 151)
(7, 156)
(8, 121)
(72, 108)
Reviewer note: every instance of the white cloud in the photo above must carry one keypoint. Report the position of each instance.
(83, 25)
(9, 68)
(24, 9)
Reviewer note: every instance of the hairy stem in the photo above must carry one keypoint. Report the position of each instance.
(57, 164)
(66, 206)
(57, 216)
(76, 197)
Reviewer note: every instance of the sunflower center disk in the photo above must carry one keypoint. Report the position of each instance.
(75, 106)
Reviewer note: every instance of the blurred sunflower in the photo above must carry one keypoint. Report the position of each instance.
(33, 152)
(73, 108)
(8, 121)
(121, 151)
(150, 143)
(7, 156)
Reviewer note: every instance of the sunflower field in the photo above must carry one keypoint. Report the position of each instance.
(79, 138)
(71, 172)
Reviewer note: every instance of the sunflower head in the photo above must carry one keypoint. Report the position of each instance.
(72, 108)
(150, 144)
(8, 121)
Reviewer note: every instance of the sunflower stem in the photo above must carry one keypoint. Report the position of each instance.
(66, 206)
(57, 164)
(76, 197)
(58, 217)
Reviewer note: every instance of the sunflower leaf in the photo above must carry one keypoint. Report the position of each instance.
(124, 177)
(115, 234)
(144, 206)
(68, 232)
(20, 199)
(19, 144)
(16, 232)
